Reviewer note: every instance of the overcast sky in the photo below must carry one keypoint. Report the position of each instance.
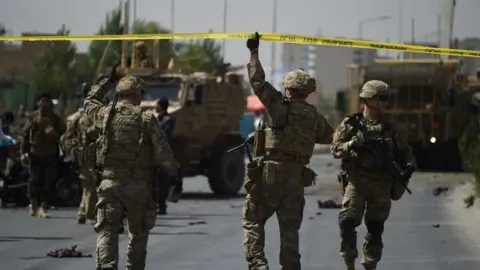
(309, 17)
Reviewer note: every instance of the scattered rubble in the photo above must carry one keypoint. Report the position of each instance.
(328, 204)
(469, 201)
(67, 253)
(440, 190)
(201, 222)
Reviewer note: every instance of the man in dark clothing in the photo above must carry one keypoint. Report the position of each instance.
(7, 121)
(162, 186)
(42, 133)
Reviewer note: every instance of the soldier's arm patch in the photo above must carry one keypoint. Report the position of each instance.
(341, 137)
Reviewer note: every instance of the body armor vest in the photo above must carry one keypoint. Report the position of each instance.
(293, 131)
(119, 151)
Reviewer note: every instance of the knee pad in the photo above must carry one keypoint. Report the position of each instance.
(375, 230)
(347, 226)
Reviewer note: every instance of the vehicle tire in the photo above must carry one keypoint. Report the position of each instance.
(226, 172)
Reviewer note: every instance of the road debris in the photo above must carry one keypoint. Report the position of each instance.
(436, 225)
(440, 190)
(469, 201)
(328, 204)
(67, 253)
(201, 222)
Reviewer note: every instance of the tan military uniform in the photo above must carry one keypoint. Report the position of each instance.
(368, 193)
(132, 146)
(294, 128)
(78, 141)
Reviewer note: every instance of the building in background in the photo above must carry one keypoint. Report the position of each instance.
(327, 64)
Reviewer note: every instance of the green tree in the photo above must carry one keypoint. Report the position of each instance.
(3, 32)
(199, 55)
(112, 26)
(55, 71)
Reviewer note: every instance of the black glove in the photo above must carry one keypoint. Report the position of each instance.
(177, 183)
(253, 43)
(356, 144)
(410, 168)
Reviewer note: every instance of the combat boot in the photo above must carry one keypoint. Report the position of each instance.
(350, 265)
(32, 208)
(81, 219)
(42, 213)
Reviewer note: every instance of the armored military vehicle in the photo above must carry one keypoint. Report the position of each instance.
(207, 109)
(429, 103)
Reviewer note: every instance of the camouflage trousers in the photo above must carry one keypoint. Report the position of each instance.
(279, 189)
(43, 176)
(369, 199)
(115, 201)
(89, 196)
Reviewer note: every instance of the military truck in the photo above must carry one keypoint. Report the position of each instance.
(207, 109)
(429, 103)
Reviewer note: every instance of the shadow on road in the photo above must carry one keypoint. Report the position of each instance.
(54, 217)
(209, 196)
(170, 226)
(179, 233)
(19, 238)
(9, 240)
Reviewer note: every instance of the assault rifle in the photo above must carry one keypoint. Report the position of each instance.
(378, 151)
(111, 113)
(246, 145)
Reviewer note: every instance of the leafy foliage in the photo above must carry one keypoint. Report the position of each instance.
(55, 70)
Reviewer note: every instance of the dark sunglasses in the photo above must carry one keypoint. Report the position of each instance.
(383, 98)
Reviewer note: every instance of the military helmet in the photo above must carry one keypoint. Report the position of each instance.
(139, 44)
(374, 88)
(299, 81)
(131, 84)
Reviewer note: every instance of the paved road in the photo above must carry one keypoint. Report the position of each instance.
(204, 234)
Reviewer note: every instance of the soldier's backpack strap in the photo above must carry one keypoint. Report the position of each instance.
(138, 111)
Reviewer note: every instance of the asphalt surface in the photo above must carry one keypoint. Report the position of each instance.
(202, 233)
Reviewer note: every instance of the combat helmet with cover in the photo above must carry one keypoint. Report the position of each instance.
(375, 88)
(131, 84)
(298, 81)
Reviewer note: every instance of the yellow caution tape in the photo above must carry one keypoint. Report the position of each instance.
(284, 38)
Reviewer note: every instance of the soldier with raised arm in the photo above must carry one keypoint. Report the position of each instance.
(275, 183)
(130, 146)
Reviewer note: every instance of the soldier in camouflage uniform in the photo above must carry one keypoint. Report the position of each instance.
(369, 184)
(41, 135)
(141, 54)
(294, 127)
(79, 141)
(469, 143)
(129, 147)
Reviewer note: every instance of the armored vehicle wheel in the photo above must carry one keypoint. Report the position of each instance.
(226, 172)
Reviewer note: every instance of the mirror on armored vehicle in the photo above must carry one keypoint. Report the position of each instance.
(198, 94)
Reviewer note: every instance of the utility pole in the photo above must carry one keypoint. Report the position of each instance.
(274, 30)
(224, 27)
(172, 16)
